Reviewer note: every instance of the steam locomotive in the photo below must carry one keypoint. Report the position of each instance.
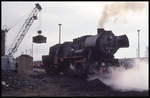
(85, 55)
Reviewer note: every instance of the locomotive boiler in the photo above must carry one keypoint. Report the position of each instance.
(85, 55)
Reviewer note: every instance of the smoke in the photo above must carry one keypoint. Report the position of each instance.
(117, 10)
(132, 79)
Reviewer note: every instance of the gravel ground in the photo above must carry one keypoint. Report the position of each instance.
(40, 84)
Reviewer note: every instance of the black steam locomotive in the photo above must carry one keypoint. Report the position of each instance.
(86, 55)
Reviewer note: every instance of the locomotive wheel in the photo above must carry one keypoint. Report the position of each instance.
(77, 72)
(92, 69)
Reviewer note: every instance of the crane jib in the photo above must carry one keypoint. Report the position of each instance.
(38, 6)
(24, 29)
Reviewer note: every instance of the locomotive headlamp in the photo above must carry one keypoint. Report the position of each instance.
(103, 64)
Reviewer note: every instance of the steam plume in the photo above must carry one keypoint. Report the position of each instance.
(134, 79)
(115, 10)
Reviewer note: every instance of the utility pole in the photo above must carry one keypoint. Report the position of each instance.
(59, 33)
(32, 50)
(26, 51)
(146, 52)
(138, 43)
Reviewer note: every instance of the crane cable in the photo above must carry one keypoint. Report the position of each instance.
(39, 26)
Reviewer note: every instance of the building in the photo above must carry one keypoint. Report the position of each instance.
(2, 42)
(24, 64)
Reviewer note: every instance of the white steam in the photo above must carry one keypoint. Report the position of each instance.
(135, 78)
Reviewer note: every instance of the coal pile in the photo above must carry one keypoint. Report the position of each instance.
(97, 88)
(41, 84)
(79, 84)
(11, 80)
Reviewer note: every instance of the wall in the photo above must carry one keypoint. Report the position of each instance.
(2, 42)
(24, 64)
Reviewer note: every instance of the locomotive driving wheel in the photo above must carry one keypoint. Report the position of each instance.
(76, 70)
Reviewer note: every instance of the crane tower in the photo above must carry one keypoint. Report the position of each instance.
(24, 29)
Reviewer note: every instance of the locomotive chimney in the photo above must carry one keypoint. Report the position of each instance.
(100, 30)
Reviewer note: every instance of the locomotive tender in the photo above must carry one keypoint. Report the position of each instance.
(86, 55)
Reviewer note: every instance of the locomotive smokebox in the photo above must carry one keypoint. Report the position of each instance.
(123, 41)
